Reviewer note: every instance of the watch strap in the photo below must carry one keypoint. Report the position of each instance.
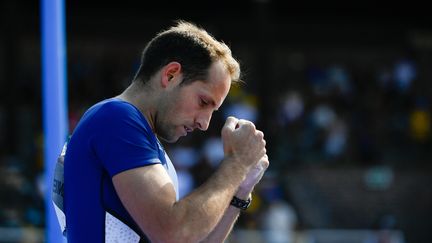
(239, 203)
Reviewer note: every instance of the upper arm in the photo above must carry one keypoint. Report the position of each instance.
(148, 195)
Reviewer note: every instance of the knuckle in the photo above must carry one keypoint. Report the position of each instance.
(231, 118)
(249, 127)
(251, 124)
(259, 134)
(226, 129)
(247, 124)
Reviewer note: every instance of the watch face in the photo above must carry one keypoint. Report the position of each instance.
(239, 203)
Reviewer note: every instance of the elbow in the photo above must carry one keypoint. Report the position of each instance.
(182, 226)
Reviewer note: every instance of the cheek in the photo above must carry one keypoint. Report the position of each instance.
(184, 107)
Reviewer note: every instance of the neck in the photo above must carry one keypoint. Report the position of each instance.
(140, 95)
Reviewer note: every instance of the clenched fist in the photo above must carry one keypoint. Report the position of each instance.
(243, 142)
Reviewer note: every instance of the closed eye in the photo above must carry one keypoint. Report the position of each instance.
(203, 102)
(207, 102)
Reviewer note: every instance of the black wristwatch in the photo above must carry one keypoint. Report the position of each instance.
(239, 203)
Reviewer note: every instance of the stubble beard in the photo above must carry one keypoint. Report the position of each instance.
(167, 136)
(165, 131)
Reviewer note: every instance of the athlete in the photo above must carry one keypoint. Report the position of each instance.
(119, 183)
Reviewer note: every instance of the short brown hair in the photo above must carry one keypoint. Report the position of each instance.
(193, 47)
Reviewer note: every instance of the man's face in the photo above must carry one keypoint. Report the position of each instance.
(187, 107)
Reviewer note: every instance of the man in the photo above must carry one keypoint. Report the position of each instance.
(119, 184)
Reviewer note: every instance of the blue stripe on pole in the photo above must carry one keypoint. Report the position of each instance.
(54, 101)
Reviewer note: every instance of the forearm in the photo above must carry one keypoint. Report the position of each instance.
(204, 208)
(225, 225)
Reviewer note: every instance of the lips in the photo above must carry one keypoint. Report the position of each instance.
(188, 129)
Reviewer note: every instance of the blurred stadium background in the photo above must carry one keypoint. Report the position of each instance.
(343, 95)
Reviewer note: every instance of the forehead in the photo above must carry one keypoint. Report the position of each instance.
(217, 85)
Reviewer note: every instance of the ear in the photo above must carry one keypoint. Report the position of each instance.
(170, 74)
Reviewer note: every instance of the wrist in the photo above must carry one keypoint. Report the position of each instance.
(241, 204)
(234, 167)
(237, 165)
(243, 194)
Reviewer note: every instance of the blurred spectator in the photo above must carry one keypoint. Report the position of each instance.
(339, 80)
(186, 182)
(241, 105)
(323, 116)
(292, 107)
(213, 150)
(184, 158)
(383, 234)
(337, 136)
(279, 220)
(404, 73)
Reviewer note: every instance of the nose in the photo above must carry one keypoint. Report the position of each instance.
(203, 121)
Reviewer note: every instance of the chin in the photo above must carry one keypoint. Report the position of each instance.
(167, 136)
(169, 140)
